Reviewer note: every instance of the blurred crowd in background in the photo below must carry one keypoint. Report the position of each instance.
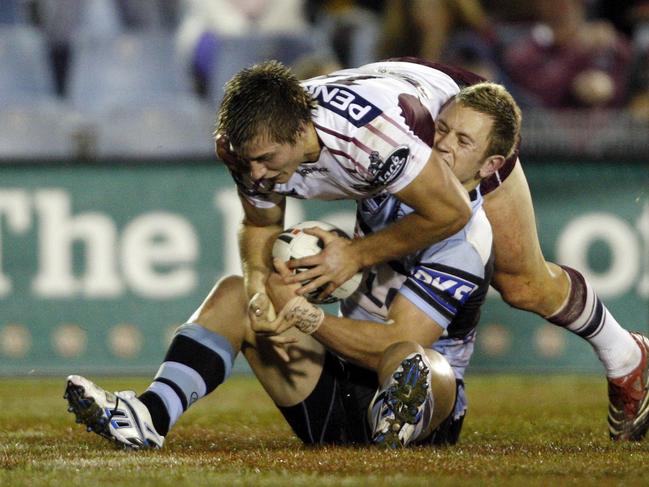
(87, 79)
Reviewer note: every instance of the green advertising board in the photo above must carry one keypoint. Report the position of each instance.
(99, 264)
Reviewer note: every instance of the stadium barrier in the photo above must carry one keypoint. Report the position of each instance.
(99, 263)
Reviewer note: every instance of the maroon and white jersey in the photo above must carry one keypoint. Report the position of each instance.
(376, 127)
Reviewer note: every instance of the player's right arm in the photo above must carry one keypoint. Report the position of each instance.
(441, 208)
(258, 230)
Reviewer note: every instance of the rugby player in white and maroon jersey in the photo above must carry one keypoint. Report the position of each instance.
(349, 127)
(363, 134)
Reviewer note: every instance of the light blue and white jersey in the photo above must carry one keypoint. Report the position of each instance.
(447, 281)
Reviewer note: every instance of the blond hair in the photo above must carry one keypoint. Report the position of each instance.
(495, 101)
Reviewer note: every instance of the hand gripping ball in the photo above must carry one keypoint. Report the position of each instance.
(293, 243)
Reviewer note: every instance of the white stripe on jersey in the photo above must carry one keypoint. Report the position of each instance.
(479, 234)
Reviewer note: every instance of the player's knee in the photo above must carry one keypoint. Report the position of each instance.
(225, 305)
(443, 386)
(442, 378)
(232, 285)
(393, 355)
(517, 291)
(228, 289)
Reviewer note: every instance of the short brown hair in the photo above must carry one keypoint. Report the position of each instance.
(495, 101)
(264, 99)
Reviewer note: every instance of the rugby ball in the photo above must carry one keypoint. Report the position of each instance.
(293, 243)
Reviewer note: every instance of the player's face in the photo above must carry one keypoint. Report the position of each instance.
(273, 162)
(461, 140)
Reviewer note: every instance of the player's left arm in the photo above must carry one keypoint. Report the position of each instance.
(363, 342)
(360, 341)
(441, 208)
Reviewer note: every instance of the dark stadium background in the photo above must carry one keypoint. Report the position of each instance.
(116, 218)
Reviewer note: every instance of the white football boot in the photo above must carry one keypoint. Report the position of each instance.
(119, 417)
(402, 409)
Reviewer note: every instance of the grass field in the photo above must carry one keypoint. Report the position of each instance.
(521, 430)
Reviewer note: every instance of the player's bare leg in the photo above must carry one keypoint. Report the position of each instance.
(417, 393)
(224, 313)
(561, 295)
(287, 382)
(197, 361)
(199, 358)
(522, 275)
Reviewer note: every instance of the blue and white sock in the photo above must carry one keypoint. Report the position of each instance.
(197, 361)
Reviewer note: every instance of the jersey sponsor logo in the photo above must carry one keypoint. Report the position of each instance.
(306, 171)
(460, 289)
(386, 171)
(345, 103)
